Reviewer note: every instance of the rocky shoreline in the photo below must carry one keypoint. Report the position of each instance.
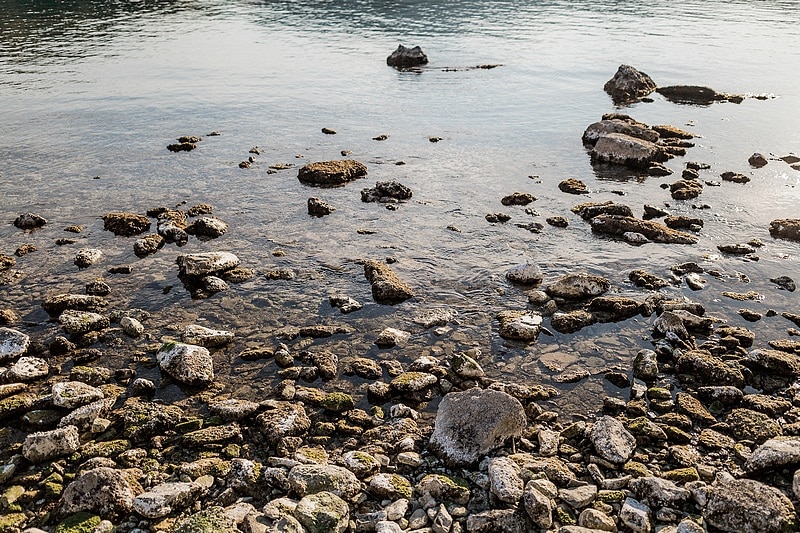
(707, 439)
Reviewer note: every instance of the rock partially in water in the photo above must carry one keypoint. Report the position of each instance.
(748, 506)
(344, 303)
(697, 95)
(203, 264)
(207, 226)
(319, 208)
(390, 337)
(707, 369)
(619, 225)
(785, 228)
(172, 226)
(474, 422)
(147, 245)
(519, 325)
(686, 189)
(331, 173)
(46, 445)
(629, 85)
(646, 280)
(572, 321)
(55, 305)
(578, 286)
(518, 198)
(203, 336)
(573, 186)
(671, 132)
(387, 288)
(404, 57)
(757, 160)
(186, 363)
(82, 322)
(126, 224)
(87, 257)
(611, 440)
(29, 221)
(784, 283)
(181, 147)
(618, 123)
(13, 343)
(734, 177)
(621, 149)
(589, 210)
(386, 192)
(525, 274)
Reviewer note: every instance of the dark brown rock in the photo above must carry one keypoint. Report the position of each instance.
(629, 84)
(331, 173)
(785, 228)
(126, 224)
(619, 225)
(387, 288)
(404, 57)
(573, 186)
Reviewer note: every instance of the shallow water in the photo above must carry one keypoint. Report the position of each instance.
(99, 91)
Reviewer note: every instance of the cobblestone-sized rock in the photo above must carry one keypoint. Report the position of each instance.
(611, 440)
(46, 445)
(748, 506)
(105, 491)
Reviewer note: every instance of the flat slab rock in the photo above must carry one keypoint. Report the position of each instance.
(619, 225)
(203, 264)
(621, 149)
(13, 343)
(186, 363)
(786, 228)
(331, 173)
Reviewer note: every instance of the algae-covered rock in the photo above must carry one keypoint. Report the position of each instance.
(331, 173)
(126, 224)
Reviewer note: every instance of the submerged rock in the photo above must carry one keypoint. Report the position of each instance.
(404, 57)
(474, 422)
(331, 173)
(629, 84)
(387, 288)
(698, 95)
(573, 186)
(619, 225)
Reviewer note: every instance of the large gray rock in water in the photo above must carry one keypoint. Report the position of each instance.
(747, 506)
(13, 343)
(405, 57)
(105, 491)
(629, 84)
(203, 264)
(786, 228)
(611, 440)
(323, 512)
(46, 445)
(331, 173)
(72, 394)
(186, 363)
(621, 149)
(474, 422)
(578, 286)
(387, 288)
(618, 124)
(656, 232)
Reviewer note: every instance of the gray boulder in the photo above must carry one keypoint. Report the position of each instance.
(46, 445)
(72, 394)
(621, 149)
(657, 492)
(27, 369)
(778, 452)
(82, 322)
(578, 286)
(629, 84)
(87, 257)
(210, 520)
(748, 506)
(525, 274)
(204, 264)
(611, 440)
(282, 419)
(323, 512)
(537, 506)
(496, 521)
(105, 491)
(29, 221)
(165, 498)
(13, 343)
(504, 480)
(207, 337)
(387, 288)
(310, 479)
(474, 422)
(519, 325)
(186, 363)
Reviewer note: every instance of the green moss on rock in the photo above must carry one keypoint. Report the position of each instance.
(79, 523)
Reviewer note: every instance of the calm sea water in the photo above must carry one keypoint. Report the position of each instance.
(92, 92)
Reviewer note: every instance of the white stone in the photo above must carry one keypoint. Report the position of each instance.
(72, 394)
(636, 516)
(131, 326)
(13, 343)
(207, 337)
(82, 322)
(525, 274)
(165, 498)
(28, 369)
(504, 480)
(611, 440)
(202, 264)
(186, 363)
(46, 445)
(578, 497)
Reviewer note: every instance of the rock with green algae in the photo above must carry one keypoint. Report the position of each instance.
(390, 486)
(12, 521)
(79, 523)
(146, 419)
(338, 402)
(211, 520)
(444, 488)
(323, 512)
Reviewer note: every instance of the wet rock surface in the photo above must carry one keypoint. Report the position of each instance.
(331, 173)
(629, 84)
(405, 57)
